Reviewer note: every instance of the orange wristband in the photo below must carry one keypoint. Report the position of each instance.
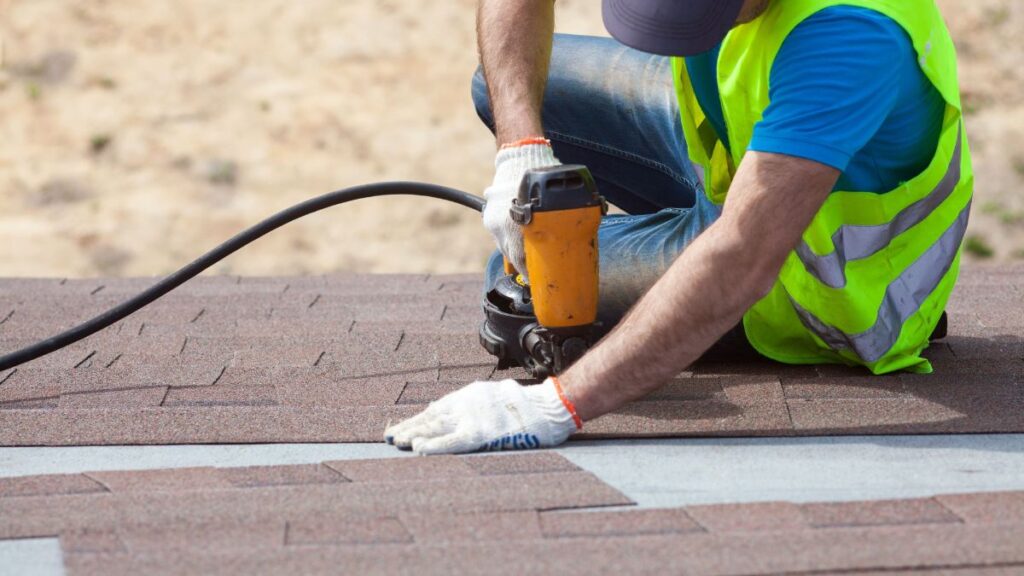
(533, 140)
(567, 403)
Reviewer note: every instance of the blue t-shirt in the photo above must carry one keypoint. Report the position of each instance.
(845, 91)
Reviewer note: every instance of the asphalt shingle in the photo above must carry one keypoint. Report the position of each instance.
(335, 358)
(440, 516)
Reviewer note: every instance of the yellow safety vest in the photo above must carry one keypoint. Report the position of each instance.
(870, 278)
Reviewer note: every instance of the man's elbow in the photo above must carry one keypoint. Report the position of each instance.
(763, 280)
(759, 262)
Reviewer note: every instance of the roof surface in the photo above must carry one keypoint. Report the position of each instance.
(507, 514)
(243, 360)
(334, 358)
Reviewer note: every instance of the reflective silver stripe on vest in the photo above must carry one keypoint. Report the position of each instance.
(858, 242)
(903, 297)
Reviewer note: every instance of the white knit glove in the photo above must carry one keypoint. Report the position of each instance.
(510, 164)
(489, 416)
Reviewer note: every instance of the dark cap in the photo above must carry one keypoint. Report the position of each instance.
(670, 27)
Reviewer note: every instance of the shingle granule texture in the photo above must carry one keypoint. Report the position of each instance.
(536, 513)
(335, 358)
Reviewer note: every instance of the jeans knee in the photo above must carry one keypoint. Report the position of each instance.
(481, 101)
(494, 271)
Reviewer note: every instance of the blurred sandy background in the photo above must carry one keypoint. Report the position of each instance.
(136, 134)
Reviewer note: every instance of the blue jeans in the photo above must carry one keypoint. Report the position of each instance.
(614, 110)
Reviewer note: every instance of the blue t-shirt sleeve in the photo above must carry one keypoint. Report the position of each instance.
(832, 85)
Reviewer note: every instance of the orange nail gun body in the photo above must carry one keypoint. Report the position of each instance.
(547, 325)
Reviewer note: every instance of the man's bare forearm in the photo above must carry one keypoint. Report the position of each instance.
(702, 295)
(514, 39)
(708, 288)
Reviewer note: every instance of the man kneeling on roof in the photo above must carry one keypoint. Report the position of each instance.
(796, 170)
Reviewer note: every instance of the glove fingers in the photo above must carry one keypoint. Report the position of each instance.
(402, 428)
(513, 250)
(453, 443)
(516, 254)
(507, 234)
(429, 424)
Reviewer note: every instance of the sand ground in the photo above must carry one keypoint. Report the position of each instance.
(137, 134)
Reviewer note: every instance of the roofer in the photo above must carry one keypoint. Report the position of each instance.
(825, 205)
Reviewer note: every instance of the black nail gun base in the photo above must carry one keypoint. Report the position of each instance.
(510, 332)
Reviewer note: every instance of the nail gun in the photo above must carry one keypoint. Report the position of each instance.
(548, 324)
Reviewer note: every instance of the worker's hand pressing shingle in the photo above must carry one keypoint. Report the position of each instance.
(488, 416)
